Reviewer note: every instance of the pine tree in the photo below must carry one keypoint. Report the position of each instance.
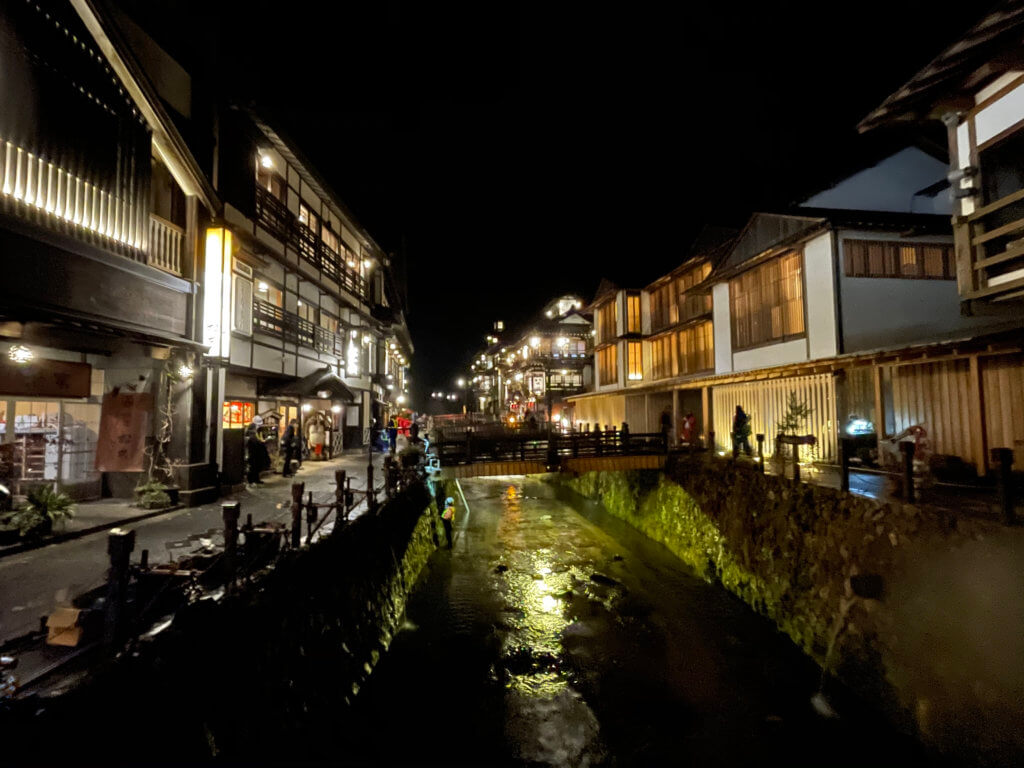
(795, 417)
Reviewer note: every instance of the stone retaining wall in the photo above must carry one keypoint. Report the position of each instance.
(263, 676)
(920, 614)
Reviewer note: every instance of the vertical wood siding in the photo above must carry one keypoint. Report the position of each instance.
(937, 397)
(1002, 384)
(765, 403)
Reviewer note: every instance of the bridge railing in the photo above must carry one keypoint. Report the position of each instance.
(523, 445)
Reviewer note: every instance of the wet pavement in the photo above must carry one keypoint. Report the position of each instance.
(555, 637)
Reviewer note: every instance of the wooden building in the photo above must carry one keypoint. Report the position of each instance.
(101, 210)
(849, 301)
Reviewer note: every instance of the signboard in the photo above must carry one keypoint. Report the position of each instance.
(124, 425)
(46, 378)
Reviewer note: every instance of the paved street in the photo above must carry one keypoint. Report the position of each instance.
(34, 582)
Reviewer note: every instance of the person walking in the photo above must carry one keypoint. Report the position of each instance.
(288, 441)
(689, 425)
(392, 434)
(448, 518)
(259, 459)
(740, 432)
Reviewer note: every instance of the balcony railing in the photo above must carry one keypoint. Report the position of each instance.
(990, 249)
(273, 214)
(165, 242)
(271, 319)
(285, 226)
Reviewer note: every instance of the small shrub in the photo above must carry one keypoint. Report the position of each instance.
(155, 499)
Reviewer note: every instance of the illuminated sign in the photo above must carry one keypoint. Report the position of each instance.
(217, 292)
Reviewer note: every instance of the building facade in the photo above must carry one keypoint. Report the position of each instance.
(317, 332)
(151, 312)
(849, 303)
(102, 208)
(537, 368)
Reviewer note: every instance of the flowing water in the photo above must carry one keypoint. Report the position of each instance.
(554, 635)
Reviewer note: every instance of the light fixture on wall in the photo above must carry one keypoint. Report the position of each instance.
(324, 394)
(20, 354)
(266, 160)
(262, 287)
(335, 409)
(306, 407)
(185, 372)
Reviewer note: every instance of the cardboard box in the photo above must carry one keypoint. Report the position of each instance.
(62, 626)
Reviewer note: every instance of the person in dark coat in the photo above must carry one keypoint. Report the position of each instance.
(259, 458)
(288, 443)
(392, 434)
(740, 432)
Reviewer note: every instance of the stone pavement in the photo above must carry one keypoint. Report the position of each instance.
(34, 582)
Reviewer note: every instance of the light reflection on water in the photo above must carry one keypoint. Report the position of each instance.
(531, 587)
(546, 719)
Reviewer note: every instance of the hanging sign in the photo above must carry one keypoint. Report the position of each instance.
(124, 425)
(46, 378)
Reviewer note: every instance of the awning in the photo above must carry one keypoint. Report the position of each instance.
(323, 384)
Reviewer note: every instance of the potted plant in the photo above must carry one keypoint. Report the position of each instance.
(42, 509)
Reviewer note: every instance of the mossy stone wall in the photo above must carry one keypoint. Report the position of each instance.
(795, 552)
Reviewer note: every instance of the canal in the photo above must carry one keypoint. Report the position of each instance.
(553, 634)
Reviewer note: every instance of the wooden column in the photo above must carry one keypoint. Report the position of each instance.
(675, 414)
(879, 409)
(977, 415)
(705, 412)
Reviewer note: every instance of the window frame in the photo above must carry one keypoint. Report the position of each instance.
(634, 361)
(891, 257)
(608, 364)
(761, 316)
(634, 315)
(271, 177)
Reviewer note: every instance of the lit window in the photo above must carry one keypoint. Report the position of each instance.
(636, 361)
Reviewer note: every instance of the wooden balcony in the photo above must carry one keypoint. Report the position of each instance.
(165, 244)
(281, 223)
(271, 319)
(990, 250)
(274, 215)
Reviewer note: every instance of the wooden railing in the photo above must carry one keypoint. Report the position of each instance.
(165, 244)
(543, 443)
(285, 226)
(271, 319)
(990, 249)
(274, 215)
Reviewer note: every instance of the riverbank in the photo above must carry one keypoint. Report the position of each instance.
(899, 604)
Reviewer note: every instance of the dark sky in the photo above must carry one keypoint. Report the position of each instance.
(512, 152)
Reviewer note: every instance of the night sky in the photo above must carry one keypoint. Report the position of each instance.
(509, 153)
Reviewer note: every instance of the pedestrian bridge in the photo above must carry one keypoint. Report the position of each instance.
(494, 450)
(575, 466)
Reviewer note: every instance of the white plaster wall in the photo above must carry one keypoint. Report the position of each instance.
(999, 115)
(266, 359)
(309, 293)
(774, 354)
(722, 328)
(819, 295)
(884, 312)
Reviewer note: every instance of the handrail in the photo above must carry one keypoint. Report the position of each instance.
(165, 244)
(1002, 202)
